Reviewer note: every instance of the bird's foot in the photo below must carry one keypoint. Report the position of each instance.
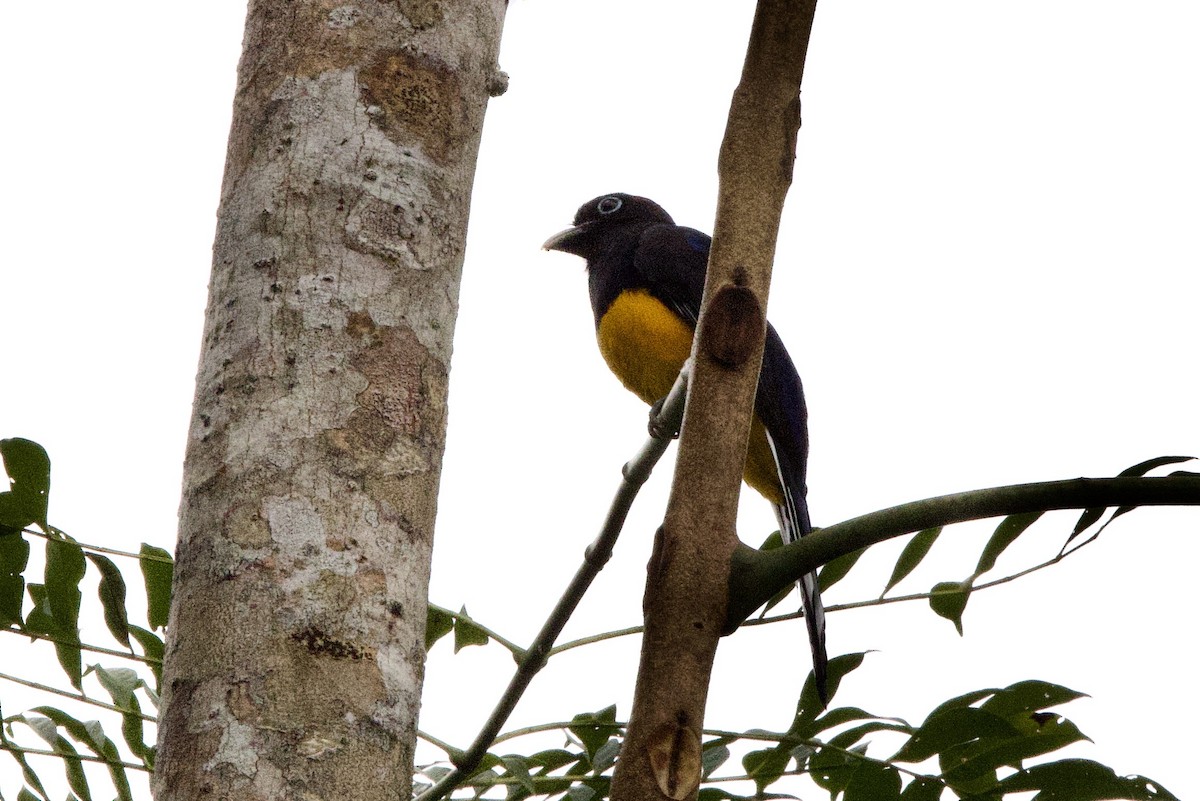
(657, 426)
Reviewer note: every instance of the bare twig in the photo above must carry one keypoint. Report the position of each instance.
(634, 474)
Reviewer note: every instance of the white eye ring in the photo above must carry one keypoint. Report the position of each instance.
(609, 205)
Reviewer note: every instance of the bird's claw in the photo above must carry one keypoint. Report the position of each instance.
(655, 425)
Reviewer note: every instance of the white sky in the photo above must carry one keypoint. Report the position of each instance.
(986, 276)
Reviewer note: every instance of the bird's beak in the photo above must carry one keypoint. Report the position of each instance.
(565, 240)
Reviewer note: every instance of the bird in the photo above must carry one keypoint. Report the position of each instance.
(646, 279)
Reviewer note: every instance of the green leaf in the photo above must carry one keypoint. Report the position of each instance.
(832, 769)
(718, 794)
(122, 684)
(39, 620)
(435, 772)
(581, 792)
(1009, 529)
(713, 757)
(839, 668)
(1142, 468)
(156, 573)
(466, 632)
(774, 540)
(72, 764)
(810, 704)
(14, 558)
(873, 782)
(1024, 697)
(13, 515)
(66, 643)
(949, 599)
(112, 597)
(966, 699)
(516, 767)
(152, 649)
(594, 728)
(915, 551)
(133, 731)
(808, 727)
(1092, 514)
(1085, 521)
(28, 468)
(1042, 736)
(92, 735)
(27, 773)
(923, 789)
(765, 766)
(1083, 780)
(951, 727)
(552, 759)
(606, 756)
(65, 567)
(836, 570)
(25, 795)
(438, 623)
(600, 785)
(851, 736)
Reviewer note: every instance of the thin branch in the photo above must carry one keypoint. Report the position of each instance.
(760, 574)
(437, 743)
(9, 745)
(595, 638)
(881, 601)
(76, 697)
(634, 474)
(564, 725)
(149, 557)
(145, 660)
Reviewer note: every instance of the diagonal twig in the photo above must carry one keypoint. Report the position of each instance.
(634, 474)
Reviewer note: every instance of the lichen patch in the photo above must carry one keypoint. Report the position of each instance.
(417, 98)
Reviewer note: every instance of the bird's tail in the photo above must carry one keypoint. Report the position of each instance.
(794, 524)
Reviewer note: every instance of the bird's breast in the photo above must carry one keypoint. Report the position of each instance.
(644, 343)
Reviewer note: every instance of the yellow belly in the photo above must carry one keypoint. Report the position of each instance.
(645, 344)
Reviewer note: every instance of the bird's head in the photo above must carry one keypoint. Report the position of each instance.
(602, 218)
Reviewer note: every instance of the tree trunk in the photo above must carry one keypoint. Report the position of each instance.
(296, 645)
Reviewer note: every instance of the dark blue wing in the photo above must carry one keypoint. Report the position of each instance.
(673, 260)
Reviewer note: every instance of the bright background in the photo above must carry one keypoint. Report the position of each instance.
(986, 275)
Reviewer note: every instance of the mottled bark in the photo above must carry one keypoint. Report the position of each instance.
(686, 592)
(295, 654)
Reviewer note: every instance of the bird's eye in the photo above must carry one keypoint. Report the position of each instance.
(608, 205)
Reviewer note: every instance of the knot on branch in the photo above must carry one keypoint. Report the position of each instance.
(733, 327)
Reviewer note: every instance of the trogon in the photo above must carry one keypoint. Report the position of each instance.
(646, 280)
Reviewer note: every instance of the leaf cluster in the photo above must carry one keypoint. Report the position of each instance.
(47, 612)
(977, 746)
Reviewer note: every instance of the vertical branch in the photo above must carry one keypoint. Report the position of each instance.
(295, 651)
(686, 590)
